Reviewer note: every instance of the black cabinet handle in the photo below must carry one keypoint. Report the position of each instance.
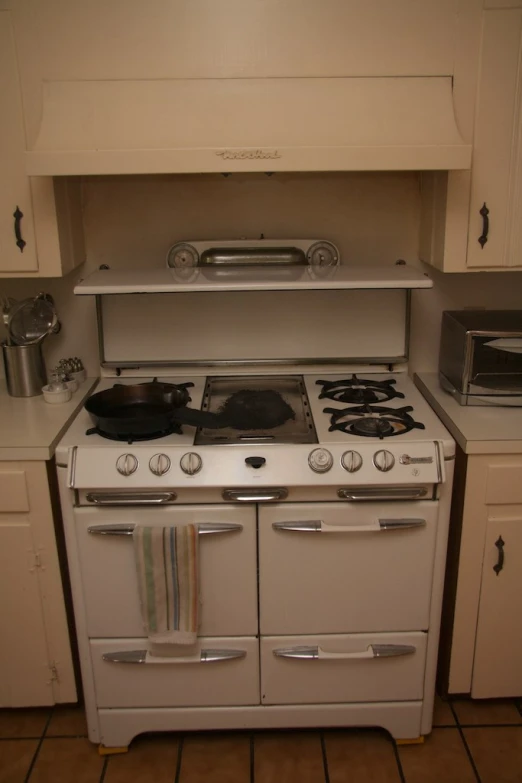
(483, 238)
(499, 543)
(18, 215)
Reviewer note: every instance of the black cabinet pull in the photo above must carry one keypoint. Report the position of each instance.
(483, 238)
(18, 215)
(499, 543)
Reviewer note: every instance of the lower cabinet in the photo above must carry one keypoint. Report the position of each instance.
(486, 638)
(35, 654)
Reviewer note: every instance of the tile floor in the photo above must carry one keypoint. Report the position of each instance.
(470, 742)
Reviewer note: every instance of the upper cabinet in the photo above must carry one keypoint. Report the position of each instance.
(41, 233)
(474, 222)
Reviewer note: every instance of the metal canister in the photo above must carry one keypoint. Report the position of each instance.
(24, 369)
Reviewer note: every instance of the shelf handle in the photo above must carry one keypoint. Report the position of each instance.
(18, 215)
(499, 565)
(483, 238)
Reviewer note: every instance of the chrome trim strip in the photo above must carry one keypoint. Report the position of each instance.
(440, 460)
(205, 656)
(204, 529)
(122, 498)
(255, 495)
(382, 493)
(386, 360)
(71, 475)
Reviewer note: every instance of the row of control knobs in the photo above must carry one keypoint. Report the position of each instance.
(159, 464)
(320, 460)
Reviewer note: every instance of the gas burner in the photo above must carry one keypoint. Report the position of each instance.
(359, 390)
(175, 429)
(373, 421)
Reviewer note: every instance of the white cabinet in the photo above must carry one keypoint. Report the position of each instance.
(35, 653)
(486, 637)
(41, 231)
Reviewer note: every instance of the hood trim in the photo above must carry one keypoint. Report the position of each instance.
(229, 125)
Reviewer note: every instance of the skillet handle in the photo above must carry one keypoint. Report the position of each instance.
(197, 418)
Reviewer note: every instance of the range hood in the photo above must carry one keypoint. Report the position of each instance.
(244, 125)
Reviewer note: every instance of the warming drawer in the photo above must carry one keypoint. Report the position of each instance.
(220, 672)
(347, 668)
(345, 568)
(227, 552)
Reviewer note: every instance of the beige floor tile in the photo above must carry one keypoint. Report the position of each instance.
(67, 722)
(442, 714)
(486, 712)
(288, 757)
(215, 758)
(361, 757)
(497, 753)
(151, 759)
(15, 759)
(442, 759)
(68, 760)
(23, 722)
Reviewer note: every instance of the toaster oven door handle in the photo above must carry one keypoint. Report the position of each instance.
(318, 526)
(140, 656)
(313, 653)
(383, 493)
(125, 498)
(255, 495)
(204, 529)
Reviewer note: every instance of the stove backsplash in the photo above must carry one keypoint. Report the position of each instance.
(372, 217)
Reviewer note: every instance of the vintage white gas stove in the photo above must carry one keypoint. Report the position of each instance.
(323, 534)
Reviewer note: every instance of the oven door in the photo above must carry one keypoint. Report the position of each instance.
(227, 552)
(346, 568)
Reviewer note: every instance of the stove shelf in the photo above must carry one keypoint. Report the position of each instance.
(162, 281)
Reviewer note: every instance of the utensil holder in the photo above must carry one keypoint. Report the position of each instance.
(24, 369)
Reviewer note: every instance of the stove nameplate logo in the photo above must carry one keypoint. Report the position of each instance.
(248, 154)
(405, 459)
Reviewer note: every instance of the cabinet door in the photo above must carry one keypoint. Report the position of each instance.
(15, 192)
(497, 669)
(493, 174)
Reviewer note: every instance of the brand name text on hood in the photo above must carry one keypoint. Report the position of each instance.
(247, 154)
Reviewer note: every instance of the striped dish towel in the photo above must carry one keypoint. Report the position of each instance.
(167, 566)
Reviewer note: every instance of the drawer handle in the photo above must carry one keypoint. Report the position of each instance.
(205, 656)
(141, 498)
(204, 529)
(383, 493)
(318, 526)
(372, 651)
(255, 496)
(20, 242)
(499, 543)
(483, 238)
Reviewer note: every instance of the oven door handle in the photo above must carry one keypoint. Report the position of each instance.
(255, 496)
(313, 653)
(142, 656)
(318, 526)
(383, 493)
(123, 498)
(204, 529)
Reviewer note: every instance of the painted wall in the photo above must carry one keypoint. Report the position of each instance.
(373, 218)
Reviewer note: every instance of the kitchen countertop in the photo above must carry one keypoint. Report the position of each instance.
(478, 429)
(30, 428)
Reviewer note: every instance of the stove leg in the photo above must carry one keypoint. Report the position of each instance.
(105, 751)
(411, 741)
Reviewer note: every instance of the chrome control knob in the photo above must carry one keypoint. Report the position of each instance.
(159, 464)
(191, 463)
(351, 461)
(383, 460)
(127, 464)
(320, 460)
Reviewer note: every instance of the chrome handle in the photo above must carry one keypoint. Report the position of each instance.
(372, 651)
(141, 656)
(123, 498)
(204, 528)
(383, 493)
(318, 526)
(255, 496)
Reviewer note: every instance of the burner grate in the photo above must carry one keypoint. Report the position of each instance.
(174, 430)
(373, 421)
(359, 390)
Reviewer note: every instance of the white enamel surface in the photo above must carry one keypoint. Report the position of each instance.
(488, 429)
(227, 568)
(295, 681)
(129, 281)
(342, 582)
(234, 681)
